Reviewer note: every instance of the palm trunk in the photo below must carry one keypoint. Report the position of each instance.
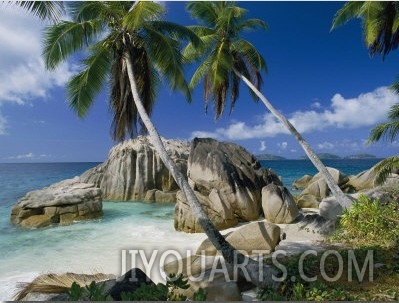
(260, 275)
(342, 199)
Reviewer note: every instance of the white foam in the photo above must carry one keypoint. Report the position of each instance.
(91, 247)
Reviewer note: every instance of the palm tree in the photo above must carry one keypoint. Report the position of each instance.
(227, 59)
(130, 45)
(380, 21)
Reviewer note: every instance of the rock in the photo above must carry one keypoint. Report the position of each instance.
(363, 180)
(302, 182)
(252, 236)
(220, 214)
(227, 181)
(339, 177)
(330, 208)
(165, 197)
(210, 273)
(307, 201)
(64, 202)
(317, 188)
(129, 282)
(134, 167)
(278, 204)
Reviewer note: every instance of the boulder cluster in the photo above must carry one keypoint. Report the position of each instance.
(228, 181)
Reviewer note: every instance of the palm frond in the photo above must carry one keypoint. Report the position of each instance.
(167, 59)
(251, 24)
(81, 11)
(193, 53)
(385, 168)
(350, 10)
(142, 12)
(45, 10)
(84, 86)
(177, 31)
(251, 54)
(65, 38)
(203, 11)
(388, 131)
(201, 71)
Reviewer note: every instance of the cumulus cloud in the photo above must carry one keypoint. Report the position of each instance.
(365, 110)
(262, 146)
(22, 73)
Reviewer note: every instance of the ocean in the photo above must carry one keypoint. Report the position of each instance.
(98, 245)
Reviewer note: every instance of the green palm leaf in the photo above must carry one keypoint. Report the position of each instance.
(167, 59)
(45, 10)
(83, 87)
(143, 11)
(385, 168)
(65, 38)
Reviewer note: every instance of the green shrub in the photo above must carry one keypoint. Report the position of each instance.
(369, 223)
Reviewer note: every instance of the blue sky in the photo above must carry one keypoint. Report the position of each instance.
(324, 82)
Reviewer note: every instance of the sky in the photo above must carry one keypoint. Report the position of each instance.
(323, 81)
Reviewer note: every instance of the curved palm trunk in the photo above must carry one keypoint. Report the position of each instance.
(260, 275)
(342, 199)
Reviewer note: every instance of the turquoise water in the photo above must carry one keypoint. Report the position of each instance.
(95, 246)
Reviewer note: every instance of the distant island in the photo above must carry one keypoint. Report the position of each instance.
(266, 157)
(327, 156)
(322, 156)
(360, 156)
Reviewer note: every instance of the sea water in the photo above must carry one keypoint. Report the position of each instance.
(98, 245)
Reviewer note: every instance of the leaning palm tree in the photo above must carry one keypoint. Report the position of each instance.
(226, 59)
(380, 21)
(129, 45)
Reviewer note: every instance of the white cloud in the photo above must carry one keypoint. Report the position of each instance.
(28, 156)
(3, 123)
(262, 146)
(282, 145)
(22, 72)
(316, 105)
(326, 145)
(365, 110)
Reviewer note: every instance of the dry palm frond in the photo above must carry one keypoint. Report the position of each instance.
(58, 283)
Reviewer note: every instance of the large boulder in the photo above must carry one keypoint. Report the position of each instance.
(227, 181)
(366, 179)
(302, 182)
(64, 202)
(278, 204)
(317, 188)
(254, 236)
(134, 168)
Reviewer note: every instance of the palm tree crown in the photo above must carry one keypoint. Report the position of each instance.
(380, 21)
(107, 31)
(223, 51)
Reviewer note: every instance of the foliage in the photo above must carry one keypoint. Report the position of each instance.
(223, 53)
(145, 292)
(45, 10)
(369, 223)
(92, 292)
(380, 20)
(107, 31)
